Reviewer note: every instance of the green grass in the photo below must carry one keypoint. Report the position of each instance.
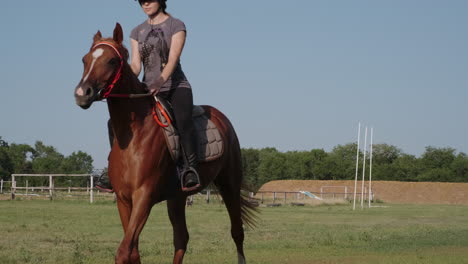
(34, 231)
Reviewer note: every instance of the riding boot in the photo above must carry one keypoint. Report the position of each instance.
(190, 177)
(103, 183)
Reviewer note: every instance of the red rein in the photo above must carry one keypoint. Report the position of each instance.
(163, 112)
(108, 90)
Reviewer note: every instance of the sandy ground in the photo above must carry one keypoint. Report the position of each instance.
(386, 191)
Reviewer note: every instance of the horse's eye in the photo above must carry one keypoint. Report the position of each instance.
(113, 61)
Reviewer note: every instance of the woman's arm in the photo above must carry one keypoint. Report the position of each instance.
(177, 45)
(135, 61)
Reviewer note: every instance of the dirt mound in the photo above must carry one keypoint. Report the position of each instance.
(387, 191)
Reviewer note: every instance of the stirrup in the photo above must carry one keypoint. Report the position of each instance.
(103, 189)
(182, 180)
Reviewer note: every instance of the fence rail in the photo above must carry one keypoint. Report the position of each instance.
(3, 185)
(284, 196)
(51, 188)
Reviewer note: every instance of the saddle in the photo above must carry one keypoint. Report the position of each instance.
(209, 145)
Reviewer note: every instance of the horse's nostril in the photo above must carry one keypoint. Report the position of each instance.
(88, 91)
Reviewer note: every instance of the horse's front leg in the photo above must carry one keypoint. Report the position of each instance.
(125, 210)
(176, 211)
(140, 210)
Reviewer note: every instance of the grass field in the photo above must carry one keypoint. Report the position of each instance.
(77, 232)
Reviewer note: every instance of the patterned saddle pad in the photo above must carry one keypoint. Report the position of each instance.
(209, 142)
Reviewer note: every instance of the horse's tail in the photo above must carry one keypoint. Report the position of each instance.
(248, 205)
(249, 208)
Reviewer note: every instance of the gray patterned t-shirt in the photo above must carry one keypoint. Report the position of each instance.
(154, 42)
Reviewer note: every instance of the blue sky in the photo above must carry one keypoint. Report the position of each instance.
(294, 75)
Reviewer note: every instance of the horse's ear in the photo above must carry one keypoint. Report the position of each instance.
(118, 33)
(98, 36)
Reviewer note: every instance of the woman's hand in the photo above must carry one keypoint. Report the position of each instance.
(156, 86)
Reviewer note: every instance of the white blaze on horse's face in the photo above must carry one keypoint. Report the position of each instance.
(96, 54)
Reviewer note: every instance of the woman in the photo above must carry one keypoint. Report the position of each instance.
(157, 44)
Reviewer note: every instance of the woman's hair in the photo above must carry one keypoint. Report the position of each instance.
(162, 4)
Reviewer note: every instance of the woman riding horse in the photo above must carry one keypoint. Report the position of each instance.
(157, 43)
(140, 164)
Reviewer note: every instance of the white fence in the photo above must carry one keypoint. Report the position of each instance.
(51, 187)
(285, 196)
(3, 185)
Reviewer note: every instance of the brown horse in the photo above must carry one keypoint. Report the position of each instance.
(140, 166)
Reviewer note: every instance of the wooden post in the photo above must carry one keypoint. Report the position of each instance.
(208, 193)
(285, 197)
(91, 194)
(13, 187)
(26, 188)
(262, 198)
(51, 186)
(274, 197)
(1, 186)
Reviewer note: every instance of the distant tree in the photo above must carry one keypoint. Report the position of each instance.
(77, 163)
(271, 165)
(459, 167)
(317, 158)
(405, 168)
(24, 159)
(21, 157)
(341, 162)
(389, 163)
(330, 168)
(3, 143)
(250, 163)
(297, 165)
(383, 158)
(46, 159)
(436, 175)
(436, 163)
(438, 157)
(384, 153)
(6, 165)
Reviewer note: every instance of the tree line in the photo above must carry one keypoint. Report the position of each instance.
(41, 158)
(389, 163)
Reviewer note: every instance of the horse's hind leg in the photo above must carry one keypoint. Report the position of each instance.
(229, 185)
(176, 211)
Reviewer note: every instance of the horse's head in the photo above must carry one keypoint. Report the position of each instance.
(103, 65)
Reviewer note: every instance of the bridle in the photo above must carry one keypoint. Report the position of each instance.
(106, 91)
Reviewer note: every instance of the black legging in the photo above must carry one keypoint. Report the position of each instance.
(181, 100)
